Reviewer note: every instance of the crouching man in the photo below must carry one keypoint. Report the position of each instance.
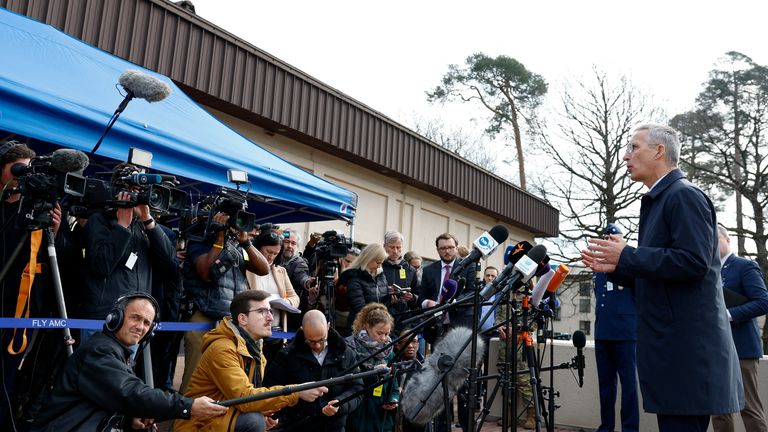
(98, 390)
(232, 366)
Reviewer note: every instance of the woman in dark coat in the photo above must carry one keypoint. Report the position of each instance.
(365, 280)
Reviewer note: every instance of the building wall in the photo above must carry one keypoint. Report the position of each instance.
(384, 203)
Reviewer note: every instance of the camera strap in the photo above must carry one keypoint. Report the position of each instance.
(25, 288)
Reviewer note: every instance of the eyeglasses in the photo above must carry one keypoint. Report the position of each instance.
(263, 311)
(316, 342)
(445, 248)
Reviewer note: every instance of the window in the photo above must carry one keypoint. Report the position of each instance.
(585, 288)
(585, 326)
(585, 305)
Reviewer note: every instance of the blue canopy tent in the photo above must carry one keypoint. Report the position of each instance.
(57, 89)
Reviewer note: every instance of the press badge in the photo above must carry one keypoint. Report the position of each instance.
(378, 390)
(609, 286)
(131, 261)
(402, 273)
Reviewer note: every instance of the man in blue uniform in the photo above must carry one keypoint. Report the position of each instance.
(615, 342)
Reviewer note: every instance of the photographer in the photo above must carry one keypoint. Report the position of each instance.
(214, 272)
(122, 245)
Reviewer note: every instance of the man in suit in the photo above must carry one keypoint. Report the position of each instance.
(686, 360)
(615, 341)
(743, 277)
(435, 274)
(432, 280)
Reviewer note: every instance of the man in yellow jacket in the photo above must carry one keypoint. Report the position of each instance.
(232, 366)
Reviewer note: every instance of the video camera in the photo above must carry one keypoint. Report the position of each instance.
(45, 181)
(197, 221)
(333, 245)
(154, 190)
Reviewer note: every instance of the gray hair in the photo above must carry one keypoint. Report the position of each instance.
(662, 134)
(291, 232)
(391, 236)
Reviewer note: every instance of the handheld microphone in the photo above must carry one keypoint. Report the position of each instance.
(522, 271)
(579, 341)
(541, 287)
(419, 405)
(143, 86)
(484, 245)
(513, 253)
(448, 291)
(511, 256)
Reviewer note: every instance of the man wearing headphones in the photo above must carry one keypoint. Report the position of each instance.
(98, 390)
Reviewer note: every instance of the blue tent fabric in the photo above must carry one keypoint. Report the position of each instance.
(58, 89)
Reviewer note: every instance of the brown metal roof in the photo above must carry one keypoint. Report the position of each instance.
(220, 70)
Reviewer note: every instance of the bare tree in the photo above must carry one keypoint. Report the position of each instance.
(586, 177)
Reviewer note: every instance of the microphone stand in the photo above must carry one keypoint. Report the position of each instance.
(472, 376)
(58, 290)
(464, 346)
(124, 103)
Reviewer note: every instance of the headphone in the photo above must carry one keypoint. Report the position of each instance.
(116, 316)
(6, 147)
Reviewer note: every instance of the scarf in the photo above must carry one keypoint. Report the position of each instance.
(254, 349)
(365, 346)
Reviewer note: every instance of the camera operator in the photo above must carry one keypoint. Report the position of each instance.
(214, 272)
(12, 284)
(122, 246)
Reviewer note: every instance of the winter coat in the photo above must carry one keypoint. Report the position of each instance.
(97, 388)
(226, 371)
(227, 278)
(120, 261)
(362, 288)
(296, 364)
(370, 416)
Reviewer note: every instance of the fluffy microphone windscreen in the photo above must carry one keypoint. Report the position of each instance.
(418, 387)
(144, 86)
(69, 160)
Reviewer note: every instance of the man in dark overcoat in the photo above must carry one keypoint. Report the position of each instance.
(686, 359)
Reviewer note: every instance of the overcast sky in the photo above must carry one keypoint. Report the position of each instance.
(386, 54)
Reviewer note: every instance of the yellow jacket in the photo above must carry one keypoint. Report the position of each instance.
(221, 375)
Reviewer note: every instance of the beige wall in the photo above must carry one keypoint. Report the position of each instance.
(384, 203)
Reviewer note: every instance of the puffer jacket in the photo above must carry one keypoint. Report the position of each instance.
(362, 288)
(227, 275)
(98, 390)
(221, 375)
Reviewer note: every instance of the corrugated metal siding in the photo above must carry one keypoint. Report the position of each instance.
(236, 77)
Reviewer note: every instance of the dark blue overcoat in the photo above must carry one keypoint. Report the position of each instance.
(686, 359)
